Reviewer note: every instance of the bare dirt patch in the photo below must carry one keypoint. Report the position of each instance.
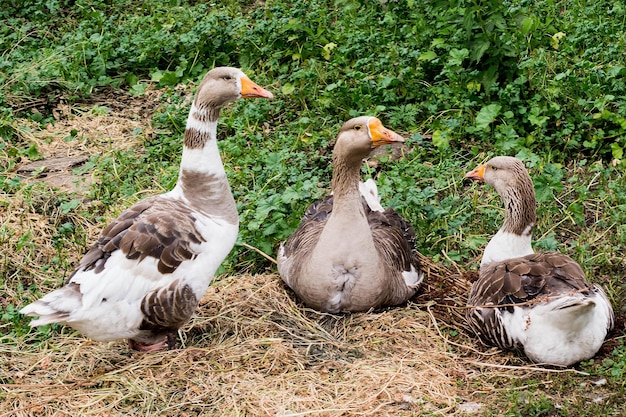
(110, 120)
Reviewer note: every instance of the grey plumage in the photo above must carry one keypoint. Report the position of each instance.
(349, 254)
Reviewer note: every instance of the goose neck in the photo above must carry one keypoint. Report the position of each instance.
(345, 186)
(520, 206)
(202, 179)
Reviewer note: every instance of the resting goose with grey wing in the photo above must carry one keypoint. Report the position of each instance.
(539, 302)
(144, 277)
(349, 254)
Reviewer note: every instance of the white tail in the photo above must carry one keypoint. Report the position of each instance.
(369, 191)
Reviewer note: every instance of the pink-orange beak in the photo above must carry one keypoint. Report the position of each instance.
(249, 89)
(380, 135)
(477, 174)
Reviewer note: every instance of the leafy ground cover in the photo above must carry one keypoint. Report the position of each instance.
(93, 102)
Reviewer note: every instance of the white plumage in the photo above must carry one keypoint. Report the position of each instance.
(145, 275)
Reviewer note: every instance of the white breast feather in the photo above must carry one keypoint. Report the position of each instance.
(505, 245)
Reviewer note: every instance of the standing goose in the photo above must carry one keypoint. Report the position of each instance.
(143, 278)
(539, 302)
(349, 254)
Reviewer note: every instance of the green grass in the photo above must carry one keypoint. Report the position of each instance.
(463, 80)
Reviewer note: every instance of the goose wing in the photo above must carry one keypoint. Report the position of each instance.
(522, 281)
(303, 240)
(394, 238)
(161, 228)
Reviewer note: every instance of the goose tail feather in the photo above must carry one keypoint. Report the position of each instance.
(46, 313)
(369, 191)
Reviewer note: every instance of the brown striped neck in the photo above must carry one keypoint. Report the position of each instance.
(512, 182)
(205, 111)
(509, 177)
(201, 126)
(520, 206)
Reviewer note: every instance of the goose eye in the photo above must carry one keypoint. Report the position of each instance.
(227, 77)
(357, 127)
(494, 168)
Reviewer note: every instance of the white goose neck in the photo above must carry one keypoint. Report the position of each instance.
(202, 180)
(506, 245)
(200, 151)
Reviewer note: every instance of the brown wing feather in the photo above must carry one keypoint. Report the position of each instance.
(320, 210)
(168, 308)
(523, 279)
(394, 239)
(305, 237)
(156, 227)
(519, 280)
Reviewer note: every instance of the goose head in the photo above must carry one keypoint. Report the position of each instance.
(505, 174)
(223, 85)
(358, 136)
(512, 182)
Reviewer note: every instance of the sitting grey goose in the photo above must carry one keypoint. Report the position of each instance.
(144, 277)
(537, 302)
(349, 254)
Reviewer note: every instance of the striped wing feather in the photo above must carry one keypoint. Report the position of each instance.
(394, 239)
(156, 227)
(168, 308)
(515, 281)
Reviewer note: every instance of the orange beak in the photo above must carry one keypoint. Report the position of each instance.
(380, 135)
(249, 89)
(477, 174)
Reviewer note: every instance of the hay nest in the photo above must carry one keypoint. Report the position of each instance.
(254, 350)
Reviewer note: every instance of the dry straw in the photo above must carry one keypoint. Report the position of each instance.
(253, 350)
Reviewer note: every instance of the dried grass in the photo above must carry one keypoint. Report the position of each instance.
(113, 121)
(253, 350)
